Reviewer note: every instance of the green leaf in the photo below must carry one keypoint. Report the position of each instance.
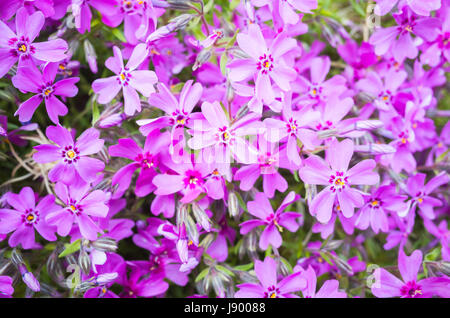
(224, 270)
(95, 112)
(326, 258)
(118, 34)
(70, 248)
(202, 275)
(223, 63)
(244, 268)
(358, 8)
(286, 263)
(232, 40)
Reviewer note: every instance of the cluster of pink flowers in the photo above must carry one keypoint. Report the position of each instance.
(228, 135)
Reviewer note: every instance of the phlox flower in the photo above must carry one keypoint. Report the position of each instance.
(293, 125)
(374, 212)
(265, 63)
(127, 78)
(442, 233)
(178, 111)
(114, 264)
(274, 222)
(147, 159)
(21, 46)
(418, 6)
(286, 9)
(26, 217)
(387, 285)
(269, 287)
(329, 289)
(420, 193)
(30, 79)
(6, 289)
(220, 138)
(80, 204)
(398, 38)
(269, 159)
(83, 15)
(138, 284)
(72, 156)
(338, 179)
(316, 90)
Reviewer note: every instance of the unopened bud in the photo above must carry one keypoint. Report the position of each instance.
(325, 134)
(341, 264)
(90, 55)
(29, 279)
(444, 267)
(233, 204)
(202, 58)
(105, 244)
(375, 149)
(181, 214)
(332, 245)
(106, 278)
(111, 121)
(201, 217)
(84, 261)
(182, 5)
(191, 230)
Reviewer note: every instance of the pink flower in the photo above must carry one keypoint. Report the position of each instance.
(73, 161)
(30, 79)
(80, 204)
(26, 217)
(338, 179)
(387, 285)
(264, 63)
(127, 78)
(274, 222)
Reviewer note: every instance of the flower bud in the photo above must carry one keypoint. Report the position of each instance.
(29, 279)
(202, 58)
(90, 55)
(201, 217)
(106, 278)
(233, 204)
(191, 230)
(182, 5)
(375, 149)
(105, 244)
(111, 121)
(333, 245)
(181, 214)
(84, 261)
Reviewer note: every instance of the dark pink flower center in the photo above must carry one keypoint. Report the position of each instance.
(179, 118)
(47, 91)
(315, 91)
(30, 217)
(224, 135)
(124, 77)
(74, 208)
(133, 6)
(146, 160)
(193, 179)
(403, 138)
(324, 126)
(292, 126)
(265, 63)
(70, 154)
(411, 290)
(338, 181)
(375, 203)
(272, 292)
(21, 47)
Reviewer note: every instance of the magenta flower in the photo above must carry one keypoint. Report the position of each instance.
(147, 159)
(274, 222)
(80, 204)
(387, 285)
(378, 204)
(398, 39)
(269, 286)
(178, 111)
(73, 161)
(30, 79)
(269, 159)
(418, 6)
(338, 179)
(127, 78)
(442, 233)
(329, 289)
(189, 180)
(83, 15)
(293, 125)
(420, 193)
(264, 63)
(25, 217)
(6, 289)
(136, 15)
(223, 138)
(20, 45)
